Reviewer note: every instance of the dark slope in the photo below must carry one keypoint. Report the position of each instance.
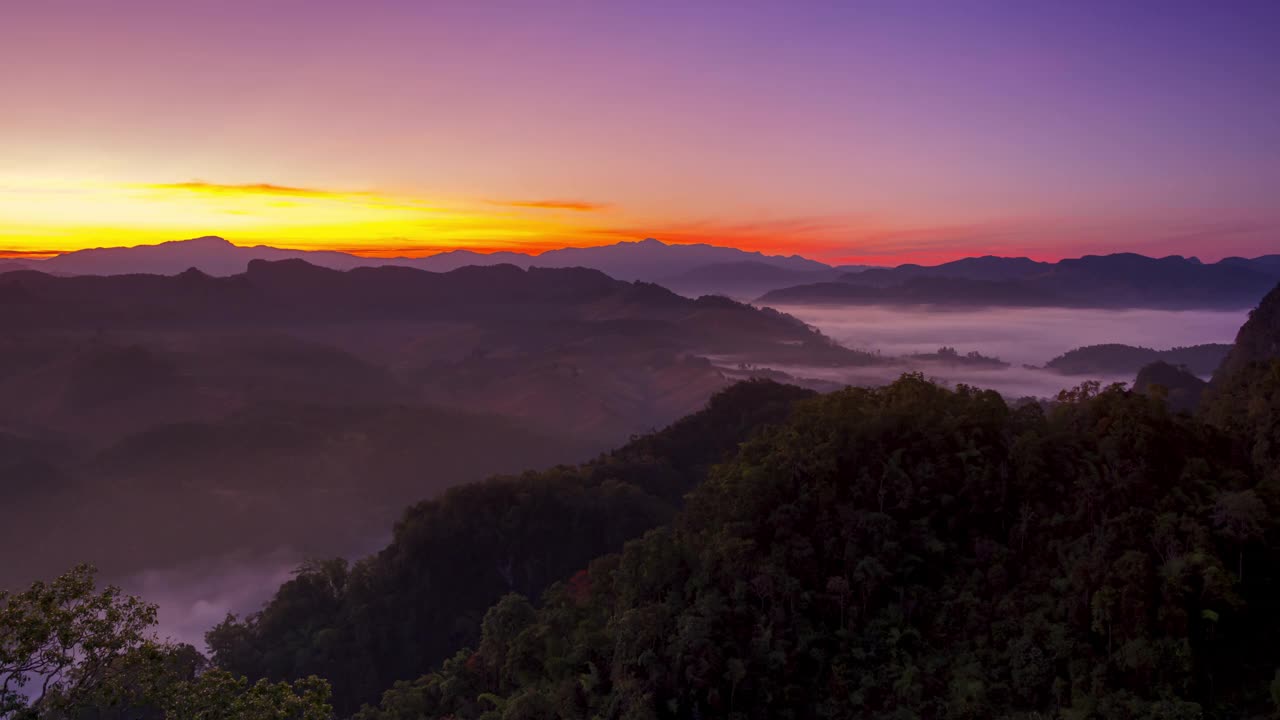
(913, 552)
(401, 612)
(1182, 390)
(1244, 395)
(311, 478)
(1258, 340)
(521, 305)
(299, 405)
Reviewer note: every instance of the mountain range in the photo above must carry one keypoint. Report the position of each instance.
(1118, 280)
(649, 260)
(298, 405)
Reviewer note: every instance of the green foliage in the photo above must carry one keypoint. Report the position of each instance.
(70, 652)
(218, 695)
(64, 640)
(911, 552)
(1246, 404)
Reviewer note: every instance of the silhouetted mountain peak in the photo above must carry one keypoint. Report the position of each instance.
(193, 274)
(292, 268)
(207, 241)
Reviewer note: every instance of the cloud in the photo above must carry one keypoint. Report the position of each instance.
(574, 205)
(199, 186)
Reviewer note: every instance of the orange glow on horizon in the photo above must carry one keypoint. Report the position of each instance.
(47, 217)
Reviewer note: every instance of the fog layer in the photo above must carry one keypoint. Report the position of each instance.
(1019, 336)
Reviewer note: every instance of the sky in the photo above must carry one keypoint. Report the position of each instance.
(877, 132)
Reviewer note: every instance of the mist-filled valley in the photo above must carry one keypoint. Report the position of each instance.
(204, 451)
(1026, 340)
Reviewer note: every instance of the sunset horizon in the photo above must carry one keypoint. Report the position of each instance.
(847, 134)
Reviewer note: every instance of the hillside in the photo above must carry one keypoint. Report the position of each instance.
(297, 409)
(1182, 390)
(1244, 396)
(1258, 340)
(507, 305)
(452, 557)
(1118, 359)
(912, 551)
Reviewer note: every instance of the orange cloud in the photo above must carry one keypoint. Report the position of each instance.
(201, 186)
(574, 205)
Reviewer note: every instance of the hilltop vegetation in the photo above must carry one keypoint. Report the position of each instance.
(913, 551)
(1244, 395)
(1118, 359)
(951, 356)
(1175, 385)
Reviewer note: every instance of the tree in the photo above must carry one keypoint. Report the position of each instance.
(68, 650)
(1239, 517)
(63, 639)
(219, 695)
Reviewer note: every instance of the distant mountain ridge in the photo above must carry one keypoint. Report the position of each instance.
(526, 307)
(647, 259)
(1118, 280)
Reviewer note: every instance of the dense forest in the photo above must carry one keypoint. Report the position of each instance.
(907, 551)
(913, 551)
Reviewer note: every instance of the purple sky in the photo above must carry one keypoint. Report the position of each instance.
(852, 130)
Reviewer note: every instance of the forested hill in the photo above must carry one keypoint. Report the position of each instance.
(1115, 358)
(915, 552)
(910, 551)
(507, 308)
(1258, 340)
(1244, 395)
(402, 612)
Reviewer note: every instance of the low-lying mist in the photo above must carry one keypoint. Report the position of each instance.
(1019, 336)
(195, 597)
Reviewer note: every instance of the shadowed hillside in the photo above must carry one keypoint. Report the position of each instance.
(300, 407)
(451, 558)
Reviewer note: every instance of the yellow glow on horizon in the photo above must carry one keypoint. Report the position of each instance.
(52, 216)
